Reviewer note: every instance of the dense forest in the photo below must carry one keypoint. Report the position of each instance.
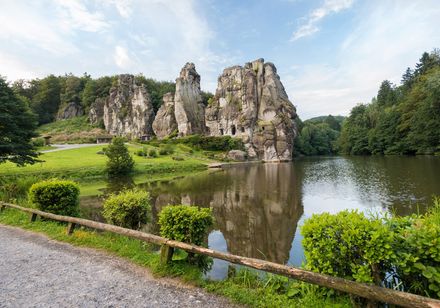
(403, 119)
(318, 136)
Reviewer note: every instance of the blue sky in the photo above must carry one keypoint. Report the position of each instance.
(330, 54)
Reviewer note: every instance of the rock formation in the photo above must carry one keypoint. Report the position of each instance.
(128, 110)
(165, 121)
(251, 103)
(69, 111)
(189, 110)
(96, 112)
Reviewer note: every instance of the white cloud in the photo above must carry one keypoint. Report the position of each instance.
(122, 58)
(310, 26)
(387, 39)
(22, 25)
(75, 15)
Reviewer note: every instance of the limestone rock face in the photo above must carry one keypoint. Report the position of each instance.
(165, 121)
(189, 110)
(71, 110)
(251, 103)
(96, 112)
(128, 111)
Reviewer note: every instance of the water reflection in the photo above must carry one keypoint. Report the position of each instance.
(258, 207)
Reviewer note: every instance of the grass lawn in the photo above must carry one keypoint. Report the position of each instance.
(86, 161)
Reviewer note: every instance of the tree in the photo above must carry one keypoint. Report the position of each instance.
(17, 127)
(46, 101)
(386, 95)
(119, 160)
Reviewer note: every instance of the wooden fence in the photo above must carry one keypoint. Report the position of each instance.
(368, 291)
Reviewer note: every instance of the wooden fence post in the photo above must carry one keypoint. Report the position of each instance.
(33, 217)
(70, 228)
(166, 254)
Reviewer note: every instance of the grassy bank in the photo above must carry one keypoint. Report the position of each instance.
(245, 287)
(87, 167)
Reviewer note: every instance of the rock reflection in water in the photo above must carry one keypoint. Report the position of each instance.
(256, 207)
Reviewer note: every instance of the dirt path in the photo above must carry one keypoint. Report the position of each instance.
(38, 272)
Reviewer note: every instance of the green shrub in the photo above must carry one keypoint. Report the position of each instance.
(347, 245)
(185, 223)
(416, 247)
(56, 196)
(166, 150)
(398, 252)
(142, 152)
(128, 209)
(119, 159)
(152, 153)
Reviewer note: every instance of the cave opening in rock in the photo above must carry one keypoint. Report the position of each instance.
(221, 131)
(242, 129)
(233, 130)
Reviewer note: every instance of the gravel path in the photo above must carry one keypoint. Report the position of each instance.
(38, 272)
(62, 147)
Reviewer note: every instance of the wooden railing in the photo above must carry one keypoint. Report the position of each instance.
(368, 291)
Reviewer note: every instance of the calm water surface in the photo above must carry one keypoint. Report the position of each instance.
(259, 207)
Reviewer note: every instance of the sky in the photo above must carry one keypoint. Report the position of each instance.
(330, 54)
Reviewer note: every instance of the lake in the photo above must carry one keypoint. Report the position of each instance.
(258, 208)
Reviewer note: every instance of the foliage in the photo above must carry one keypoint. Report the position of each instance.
(211, 143)
(156, 89)
(37, 142)
(207, 97)
(152, 153)
(185, 223)
(56, 196)
(96, 88)
(347, 245)
(129, 209)
(401, 119)
(398, 252)
(417, 253)
(119, 160)
(17, 127)
(335, 122)
(316, 139)
(166, 149)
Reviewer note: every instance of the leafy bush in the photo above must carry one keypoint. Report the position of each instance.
(152, 153)
(129, 209)
(185, 223)
(56, 196)
(142, 152)
(417, 254)
(347, 245)
(119, 159)
(166, 150)
(398, 252)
